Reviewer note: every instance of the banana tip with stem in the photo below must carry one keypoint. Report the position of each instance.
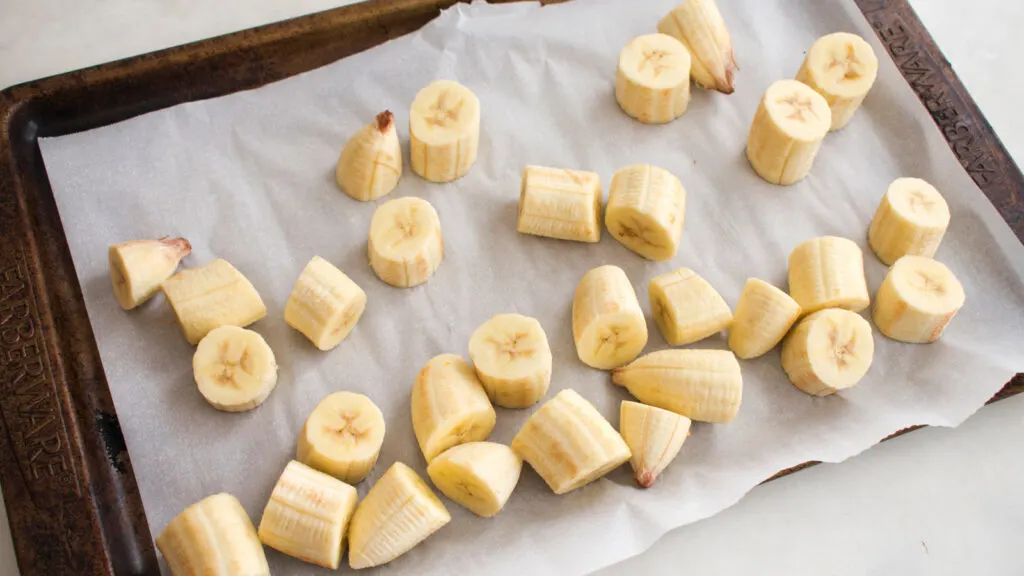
(384, 121)
(179, 244)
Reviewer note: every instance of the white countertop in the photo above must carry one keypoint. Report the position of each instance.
(937, 501)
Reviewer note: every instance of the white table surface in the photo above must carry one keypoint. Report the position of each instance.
(937, 501)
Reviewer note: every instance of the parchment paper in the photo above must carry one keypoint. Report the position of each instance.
(249, 177)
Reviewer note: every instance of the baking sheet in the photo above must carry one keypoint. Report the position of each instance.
(249, 178)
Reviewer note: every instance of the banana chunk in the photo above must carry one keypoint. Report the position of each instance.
(370, 164)
(138, 268)
(828, 272)
(828, 351)
(210, 296)
(911, 220)
(449, 406)
(652, 83)
(213, 537)
(512, 358)
(763, 316)
(790, 123)
(654, 437)
(703, 385)
(562, 204)
(686, 307)
(234, 369)
(918, 298)
(569, 443)
(325, 304)
(307, 515)
(342, 436)
(479, 476)
(444, 131)
(608, 325)
(646, 207)
(398, 512)
(841, 67)
(405, 245)
(699, 26)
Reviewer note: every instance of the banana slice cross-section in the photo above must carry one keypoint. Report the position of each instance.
(790, 123)
(763, 316)
(478, 475)
(342, 436)
(210, 296)
(444, 131)
(449, 406)
(405, 245)
(370, 164)
(646, 207)
(911, 219)
(512, 358)
(213, 537)
(654, 436)
(234, 369)
(559, 203)
(841, 67)
(325, 304)
(686, 307)
(828, 272)
(608, 325)
(652, 83)
(138, 268)
(917, 300)
(699, 26)
(828, 351)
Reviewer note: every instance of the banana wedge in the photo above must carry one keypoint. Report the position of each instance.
(654, 437)
(342, 436)
(828, 351)
(841, 67)
(138, 268)
(608, 325)
(405, 245)
(234, 369)
(325, 304)
(210, 296)
(686, 307)
(444, 131)
(763, 316)
(562, 204)
(918, 298)
(703, 385)
(480, 476)
(911, 219)
(370, 164)
(449, 406)
(652, 83)
(646, 207)
(512, 358)
(699, 26)
(213, 537)
(828, 272)
(790, 123)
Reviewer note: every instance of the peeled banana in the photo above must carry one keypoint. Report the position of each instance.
(703, 385)
(449, 406)
(608, 325)
(645, 211)
(210, 296)
(213, 537)
(234, 369)
(405, 245)
(325, 304)
(559, 203)
(911, 219)
(699, 26)
(512, 358)
(828, 272)
(652, 83)
(686, 307)
(342, 436)
(828, 351)
(569, 443)
(370, 164)
(918, 298)
(478, 475)
(841, 67)
(763, 316)
(790, 123)
(654, 437)
(138, 268)
(444, 131)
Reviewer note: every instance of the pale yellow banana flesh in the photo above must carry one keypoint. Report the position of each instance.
(569, 443)
(210, 296)
(686, 307)
(560, 203)
(137, 268)
(449, 406)
(842, 68)
(911, 220)
(654, 437)
(479, 476)
(917, 300)
(828, 351)
(645, 211)
(405, 245)
(699, 26)
(763, 316)
(308, 515)
(213, 537)
(828, 272)
(608, 325)
(398, 512)
(512, 358)
(325, 304)
(370, 164)
(234, 369)
(444, 131)
(652, 82)
(703, 385)
(790, 123)
(342, 436)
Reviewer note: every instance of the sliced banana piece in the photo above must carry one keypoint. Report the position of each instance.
(325, 304)
(449, 406)
(703, 385)
(911, 219)
(370, 164)
(841, 67)
(654, 437)
(608, 325)
(307, 515)
(918, 298)
(512, 358)
(699, 26)
(790, 123)
(763, 316)
(213, 537)
(210, 296)
(479, 476)
(342, 436)
(559, 203)
(444, 131)
(405, 243)
(652, 83)
(569, 443)
(138, 268)
(646, 207)
(828, 351)
(398, 512)
(686, 307)
(828, 272)
(234, 369)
